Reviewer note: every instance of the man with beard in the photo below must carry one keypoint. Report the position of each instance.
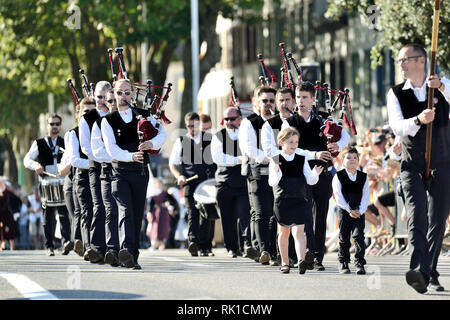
(129, 174)
(232, 193)
(44, 155)
(260, 193)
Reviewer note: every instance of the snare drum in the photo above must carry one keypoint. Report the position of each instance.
(205, 199)
(52, 193)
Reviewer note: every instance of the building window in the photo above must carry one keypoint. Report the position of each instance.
(356, 80)
(367, 99)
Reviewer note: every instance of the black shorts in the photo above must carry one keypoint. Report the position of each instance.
(387, 199)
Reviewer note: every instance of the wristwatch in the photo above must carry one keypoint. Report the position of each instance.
(417, 121)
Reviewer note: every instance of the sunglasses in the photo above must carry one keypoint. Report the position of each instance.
(127, 93)
(268, 100)
(100, 97)
(110, 101)
(55, 124)
(230, 118)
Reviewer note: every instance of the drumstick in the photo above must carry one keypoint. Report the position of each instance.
(62, 149)
(192, 178)
(50, 174)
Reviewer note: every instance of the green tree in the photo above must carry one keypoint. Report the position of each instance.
(398, 23)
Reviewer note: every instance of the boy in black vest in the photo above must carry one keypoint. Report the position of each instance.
(427, 202)
(45, 152)
(352, 194)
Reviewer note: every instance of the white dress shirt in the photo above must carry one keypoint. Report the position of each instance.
(175, 155)
(85, 136)
(29, 159)
(97, 145)
(219, 157)
(406, 127)
(65, 159)
(119, 154)
(339, 197)
(274, 177)
(248, 141)
(342, 142)
(74, 151)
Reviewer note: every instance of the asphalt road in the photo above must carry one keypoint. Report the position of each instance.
(175, 275)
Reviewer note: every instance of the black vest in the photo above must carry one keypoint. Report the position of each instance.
(230, 175)
(45, 155)
(126, 135)
(413, 148)
(196, 158)
(82, 154)
(91, 116)
(352, 190)
(293, 181)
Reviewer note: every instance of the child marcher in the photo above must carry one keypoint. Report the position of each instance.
(352, 194)
(288, 178)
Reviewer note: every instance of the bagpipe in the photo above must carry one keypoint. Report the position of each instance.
(330, 127)
(145, 129)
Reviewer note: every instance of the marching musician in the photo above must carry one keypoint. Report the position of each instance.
(43, 156)
(112, 248)
(193, 153)
(98, 244)
(260, 193)
(231, 186)
(312, 139)
(129, 173)
(82, 190)
(427, 207)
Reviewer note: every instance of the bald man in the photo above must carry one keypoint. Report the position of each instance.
(232, 193)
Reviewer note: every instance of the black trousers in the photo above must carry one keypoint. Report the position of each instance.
(261, 194)
(319, 194)
(129, 188)
(349, 226)
(426, 212)
(49, 224)
(83, 192)
(111, 211)
(199, 228)
(73, 207)
(234, 209)
(98, 241)
(253, 237)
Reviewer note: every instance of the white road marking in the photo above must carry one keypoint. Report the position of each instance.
(191, 264)
(169, 259)
(28, 288)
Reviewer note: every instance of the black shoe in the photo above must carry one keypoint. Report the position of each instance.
(343, 268)
(318, 266)
(78, 247)
(111, 258)
(203, 253)
(137, 266)
(232, 254)
(50, 252)
(435, 285)
(86, 256)
(95, 256)
(309, 259)
(68, 246)
(302, 266)
(360, 269)
(193, 249)
(210, 253)
(126, 258)
(264, 258)
(416, 281)
(285, 269)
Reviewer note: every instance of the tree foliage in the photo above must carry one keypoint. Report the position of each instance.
(400, 22)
